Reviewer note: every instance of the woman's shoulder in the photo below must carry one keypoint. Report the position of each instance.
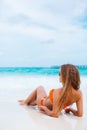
(80, 93)
(77, 94)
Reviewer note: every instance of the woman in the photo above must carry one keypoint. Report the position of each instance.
(60, 98)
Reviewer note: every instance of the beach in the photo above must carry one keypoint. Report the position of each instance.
(16, 117)
(37, 39)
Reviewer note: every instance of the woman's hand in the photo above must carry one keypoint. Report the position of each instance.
(43, 109)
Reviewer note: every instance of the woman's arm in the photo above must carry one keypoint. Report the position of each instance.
(45, 110)
(79, 105)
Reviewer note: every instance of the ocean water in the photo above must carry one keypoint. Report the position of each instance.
(45, 71)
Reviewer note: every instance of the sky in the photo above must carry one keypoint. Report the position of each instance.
(43, 32)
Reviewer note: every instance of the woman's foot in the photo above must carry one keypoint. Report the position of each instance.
(22, 102)
(33, 103)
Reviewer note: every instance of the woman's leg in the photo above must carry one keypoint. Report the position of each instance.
(35, 97)
(29, 99)
(41, 93)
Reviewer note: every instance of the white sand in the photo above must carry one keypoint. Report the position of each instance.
(16, 117)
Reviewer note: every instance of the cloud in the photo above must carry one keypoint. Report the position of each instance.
(48, 28)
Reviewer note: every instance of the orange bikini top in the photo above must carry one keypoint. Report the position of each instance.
(51, 98)
(51, 95)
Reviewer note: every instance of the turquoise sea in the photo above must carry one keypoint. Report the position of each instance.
(48, 71)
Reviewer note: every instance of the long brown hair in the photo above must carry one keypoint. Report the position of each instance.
(70, 78)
